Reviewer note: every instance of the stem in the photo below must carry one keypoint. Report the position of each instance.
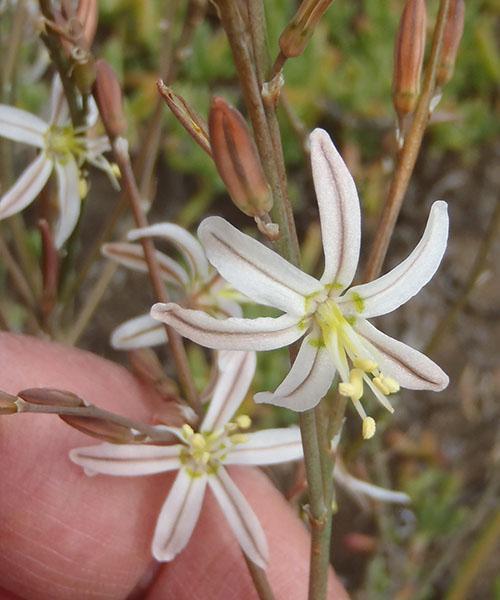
(91, 411)
(176, 344)
(475, 273)
(260, 580)
(408, 155)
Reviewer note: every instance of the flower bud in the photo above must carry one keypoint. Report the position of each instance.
(187, 117)
(452, 35)
(236, 159)
(145, 364)
(51, 397)
(298, 32)
(409, 57)
(8, 404)
(108, 96)
(87, 14)
(103, 429)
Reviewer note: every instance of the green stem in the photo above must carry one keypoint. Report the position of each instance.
(260, 580)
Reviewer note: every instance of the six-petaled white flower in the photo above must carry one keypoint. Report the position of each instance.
(198, 286)
(200, 458)
(331, 317)
(62, 149)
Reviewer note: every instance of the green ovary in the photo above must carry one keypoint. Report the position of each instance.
(62, 143)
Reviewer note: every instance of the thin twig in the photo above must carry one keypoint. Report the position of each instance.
(408, 155)
(260, 580)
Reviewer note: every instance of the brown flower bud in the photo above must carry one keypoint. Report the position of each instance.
(50, 268)
(409, 57)
(8, 404)
(187, 117)
(108, 96)
(103, 429)
(298, 32)
(237, 160)
(87, 14)
(452, 36)
(51, 397)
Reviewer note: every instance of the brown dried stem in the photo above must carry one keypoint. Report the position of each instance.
(408, 155)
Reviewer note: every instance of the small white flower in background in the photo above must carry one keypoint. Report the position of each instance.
(200, 458)
(331, 318)
(62, 149)
(199, 286)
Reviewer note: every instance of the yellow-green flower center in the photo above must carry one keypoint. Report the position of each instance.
(61, 143)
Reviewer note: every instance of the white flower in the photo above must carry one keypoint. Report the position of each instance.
(200, 459)
(62, 149)
(331, 318)
(199, 286)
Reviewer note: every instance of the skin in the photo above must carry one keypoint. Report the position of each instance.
(65, 535)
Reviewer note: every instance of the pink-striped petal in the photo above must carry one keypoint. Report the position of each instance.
(338, 209)
(27, 187)
(409, 367)
(386, 293)
(307, 382)
(267, 447)
(68, 199)
(240, 517)
(179, 516)
(264, 333)
(21, 126)
(139, 332)
(127, 460)
(236, 371)
(255, 270)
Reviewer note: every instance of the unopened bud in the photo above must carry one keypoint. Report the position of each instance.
(103, 429)
(87, 14)
(108, 96)
(84, 70)
(146, 365)
(409, 57)
(452, 35)
(51, 397)
(187, 116)
(8, 404)
(237, 160)
(298, 32)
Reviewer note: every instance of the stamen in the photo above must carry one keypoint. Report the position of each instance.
(243, 421)
(198, 441)
(187, 431)
(365, 364)
(353, 389)
(369, 428)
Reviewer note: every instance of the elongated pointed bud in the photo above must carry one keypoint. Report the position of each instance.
(108, 96)
(51, 397)
(8, 404)
(104, 429)
(186, 115)
(453, 31)
(50, 268)
(237, 160)
(298, 32)
(409, 57)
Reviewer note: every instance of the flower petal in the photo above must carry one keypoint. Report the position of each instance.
(307, 382)
(338, 210)
(178, 516)
(240, 517)
(21, 126)
(127, 460)
(132, 256)
(254, 269)
(409, 367)
(236, 371)
(187, 244)
(139, 332)
(264, 333)
(59, 111)
(267, 447)
(27, 187)
(69, 201)
(391, 290)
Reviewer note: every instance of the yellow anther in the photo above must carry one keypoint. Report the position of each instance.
(365, 364)
(346, 389)
(243, 421)
(381, 385)
(239, 438)
(392, 384)
(187, 430)
(353, 389)
(83, 188)
(198, 441)
(205, 457)
(369, 428)
(115, 170)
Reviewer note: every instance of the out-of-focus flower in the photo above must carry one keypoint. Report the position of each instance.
(63, 150)
(199, 286)
(200, 458)
(331, 318)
